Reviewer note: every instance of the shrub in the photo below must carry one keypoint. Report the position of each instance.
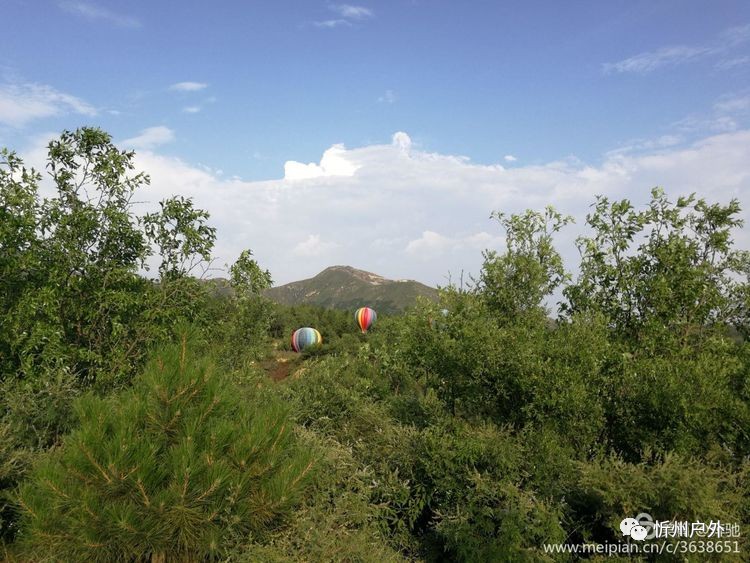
(684, 401)
(336, 521)
(34, 414)
(180, 465)
(669, 487)
(497, 521)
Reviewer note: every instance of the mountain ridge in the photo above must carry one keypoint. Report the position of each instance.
(345, 287)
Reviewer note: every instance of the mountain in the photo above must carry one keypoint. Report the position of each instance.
(344, 287)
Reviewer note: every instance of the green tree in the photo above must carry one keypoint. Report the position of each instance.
(248, 325)
(247, 277)
(183, 238)
(668, 270)
(19, 248)
(183, 465)
(518, 281)
(72, 259)
(71, 296)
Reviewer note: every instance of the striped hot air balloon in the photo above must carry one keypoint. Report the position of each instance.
(304, 337)
(365, 318)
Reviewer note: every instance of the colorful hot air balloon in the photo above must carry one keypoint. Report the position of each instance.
(304, 337)
(365, 318)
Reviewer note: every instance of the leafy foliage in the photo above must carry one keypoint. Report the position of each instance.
(72, 298)
(680, 280)
(531, 269)
(247, 277)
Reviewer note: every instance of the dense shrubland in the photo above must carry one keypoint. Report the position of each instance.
(137, 423)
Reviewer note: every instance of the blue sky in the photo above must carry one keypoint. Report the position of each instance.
(496, 93)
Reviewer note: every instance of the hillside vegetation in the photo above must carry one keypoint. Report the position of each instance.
(344, 287)
(166, 419)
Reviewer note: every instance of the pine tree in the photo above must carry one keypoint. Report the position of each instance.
(175, 469)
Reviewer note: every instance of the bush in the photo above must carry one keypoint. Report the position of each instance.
(336, 521)
(668, 487)
(499, 522)
(34, 415)
(180, 465)
(685, 401)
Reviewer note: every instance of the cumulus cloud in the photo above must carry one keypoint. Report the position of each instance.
(404, 212)
(150, 137)
(402, 141)
(333, 163)
(509, 158)
(22, 103)
(431, 242)
(191, 109)
(188, 86)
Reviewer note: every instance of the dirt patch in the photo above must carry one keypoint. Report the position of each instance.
(281, 365)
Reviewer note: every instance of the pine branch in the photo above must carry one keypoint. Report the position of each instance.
(90, 457)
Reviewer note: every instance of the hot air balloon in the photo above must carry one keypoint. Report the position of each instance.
(365, 318)
(304, 337)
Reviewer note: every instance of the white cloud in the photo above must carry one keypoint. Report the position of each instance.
(649, 61)
(729, 113)
(188, 86)
(21, 103)
(402, 141)
(333, 163)
(388, 98)
(191, 109)
(640, 145)
(150, 137)
(352, 12)
(420, 215)
(733, 36)
(509, 158)
(347, 15)
(97, 13)
(714, 123)
(431, 244)
(331, 23)
(314, 246)
(732, 104)
(430, 241)
(728, 64)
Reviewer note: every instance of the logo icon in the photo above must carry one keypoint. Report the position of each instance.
(638, 528)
